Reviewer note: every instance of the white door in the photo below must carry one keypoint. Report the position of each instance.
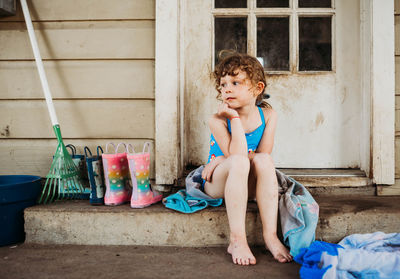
(310, 51)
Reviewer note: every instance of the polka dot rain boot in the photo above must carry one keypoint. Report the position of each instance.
(139, 168)
(116, 176)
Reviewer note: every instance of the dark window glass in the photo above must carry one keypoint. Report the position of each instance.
(230, 3)
(230, 33)
(273, 43)
(272, 3)
(315, 44)
(315, 3)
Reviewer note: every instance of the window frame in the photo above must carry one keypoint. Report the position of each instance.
(293, 12)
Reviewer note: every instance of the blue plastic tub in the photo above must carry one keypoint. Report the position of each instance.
(17, 192)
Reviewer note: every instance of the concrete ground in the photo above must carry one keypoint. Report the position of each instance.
(76, 261)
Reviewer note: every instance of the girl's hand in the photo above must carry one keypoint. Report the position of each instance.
(251, 156)
(208, 170)
(225, 111)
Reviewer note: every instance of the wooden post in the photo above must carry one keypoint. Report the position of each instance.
(167, 91)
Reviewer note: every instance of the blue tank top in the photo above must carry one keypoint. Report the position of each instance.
(253, 139)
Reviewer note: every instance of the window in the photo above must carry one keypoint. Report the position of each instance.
(287, 36)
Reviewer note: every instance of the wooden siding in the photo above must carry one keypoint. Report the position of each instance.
(78, 119)
(79, 40)
(45, 10)
(99, 60)
(35, 154)
(71, 79)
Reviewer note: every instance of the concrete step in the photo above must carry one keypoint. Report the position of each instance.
(320, 182)
(329, 177)
(77, 222)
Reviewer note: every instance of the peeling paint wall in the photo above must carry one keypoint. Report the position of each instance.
(200, 94)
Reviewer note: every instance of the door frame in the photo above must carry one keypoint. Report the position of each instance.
(167, 92)
(377, 85)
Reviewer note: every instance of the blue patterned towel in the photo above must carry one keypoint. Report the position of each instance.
(298, 212)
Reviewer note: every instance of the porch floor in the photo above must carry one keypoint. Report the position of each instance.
(78, 261)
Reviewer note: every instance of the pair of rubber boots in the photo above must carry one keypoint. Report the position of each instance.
(127, 179)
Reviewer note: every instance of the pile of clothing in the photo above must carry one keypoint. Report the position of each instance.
(364, 256)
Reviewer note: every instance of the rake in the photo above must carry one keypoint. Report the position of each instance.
(62, 181)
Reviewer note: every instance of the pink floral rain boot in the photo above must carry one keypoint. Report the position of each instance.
(139, 167)
(116, 176)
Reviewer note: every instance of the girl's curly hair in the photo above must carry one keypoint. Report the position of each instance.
(229, 64)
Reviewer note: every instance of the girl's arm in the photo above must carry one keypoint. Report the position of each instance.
(267, 140)
(230, 143)
(219, 129)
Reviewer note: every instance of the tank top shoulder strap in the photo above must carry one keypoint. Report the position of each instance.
(261, 115)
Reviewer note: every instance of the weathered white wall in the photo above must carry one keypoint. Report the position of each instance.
(99, 57)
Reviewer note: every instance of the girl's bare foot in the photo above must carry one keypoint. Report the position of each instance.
(277, 249)
(241, 253)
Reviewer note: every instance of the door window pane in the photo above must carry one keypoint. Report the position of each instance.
(315, 3)
(273, 43)
(315, 44)
(230, 3)
(230, 33)
(272, 3)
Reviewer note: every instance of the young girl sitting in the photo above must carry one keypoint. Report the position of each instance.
(240, 166)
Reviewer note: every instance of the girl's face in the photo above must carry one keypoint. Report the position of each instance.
(238, 91)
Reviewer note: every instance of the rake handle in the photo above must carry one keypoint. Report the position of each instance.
(39, 63)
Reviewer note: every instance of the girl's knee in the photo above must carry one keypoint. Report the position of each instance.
(239, 163)
(263, 162)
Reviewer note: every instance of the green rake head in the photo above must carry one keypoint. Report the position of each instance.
(62, 181)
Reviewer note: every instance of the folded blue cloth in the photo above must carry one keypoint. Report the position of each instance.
(364, 256)
(182, 202)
